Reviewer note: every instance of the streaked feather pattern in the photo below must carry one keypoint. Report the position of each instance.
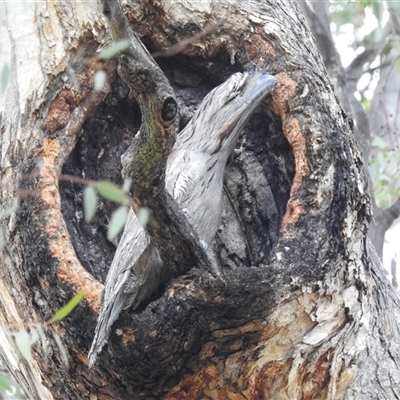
(194, 177)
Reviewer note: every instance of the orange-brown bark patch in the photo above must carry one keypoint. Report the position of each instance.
(277, 363)
(207, 384)
(293, 211)
(284, 91)
(53, 224)
(128, 335)
(209, 374)
(60, 110)
(251, 327)
(82, 357)
(343, 382)
(193, 386)
(316, 376)
(82, 388)
(271, 379)
(296, 139)
(259, 49)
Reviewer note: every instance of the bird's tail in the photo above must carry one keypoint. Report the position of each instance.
(106, 319)
(134, 285)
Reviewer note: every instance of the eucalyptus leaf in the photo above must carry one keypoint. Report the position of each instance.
(34, 337)
(384, 178)
(143, 216)
(67, 309)
(111, 51)
(117, 222)
(126, 187)
(5, 382)
(23, 343)
(89, 203)
(99, 79)
(379, 142)
(111, 192)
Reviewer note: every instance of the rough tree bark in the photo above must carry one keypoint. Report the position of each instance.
(304, 312)
(383, 120)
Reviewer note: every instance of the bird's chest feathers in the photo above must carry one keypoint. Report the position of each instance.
(192, 174)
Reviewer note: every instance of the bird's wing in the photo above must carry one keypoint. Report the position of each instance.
(183, 173)
(194, 175)
(133, 243)
(124, 280)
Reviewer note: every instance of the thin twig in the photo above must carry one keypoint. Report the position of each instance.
(184, 43)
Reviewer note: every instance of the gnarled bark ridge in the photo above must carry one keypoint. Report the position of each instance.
(303, 311)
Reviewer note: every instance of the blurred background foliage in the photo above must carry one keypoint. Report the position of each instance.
(357, 27)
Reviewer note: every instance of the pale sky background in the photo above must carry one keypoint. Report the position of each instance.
(343, 41)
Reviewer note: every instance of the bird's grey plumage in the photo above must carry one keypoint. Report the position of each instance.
(194, 177)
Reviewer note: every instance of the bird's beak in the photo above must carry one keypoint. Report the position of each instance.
(255, 88)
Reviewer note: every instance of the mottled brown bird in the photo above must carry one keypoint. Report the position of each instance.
(194, 177)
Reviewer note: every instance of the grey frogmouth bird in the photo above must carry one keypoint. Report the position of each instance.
(194, 177)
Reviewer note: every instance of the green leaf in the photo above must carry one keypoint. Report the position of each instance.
(111, 192)
(118, 219)
(5, 382)
(89, 203)
(23, 343)
(34, 336)
(5, 77)
(379, 142)
(62, 349)
(99, 79)
(67, 309)
(384, 178)
(366, 103)
(143, 216)
(114, 49)
(126, 187)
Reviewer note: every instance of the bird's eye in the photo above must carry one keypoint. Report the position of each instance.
(169, 109)
(106, 9)
(235, 88)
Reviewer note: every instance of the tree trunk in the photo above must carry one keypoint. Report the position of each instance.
(303, 311)
(382, 119)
